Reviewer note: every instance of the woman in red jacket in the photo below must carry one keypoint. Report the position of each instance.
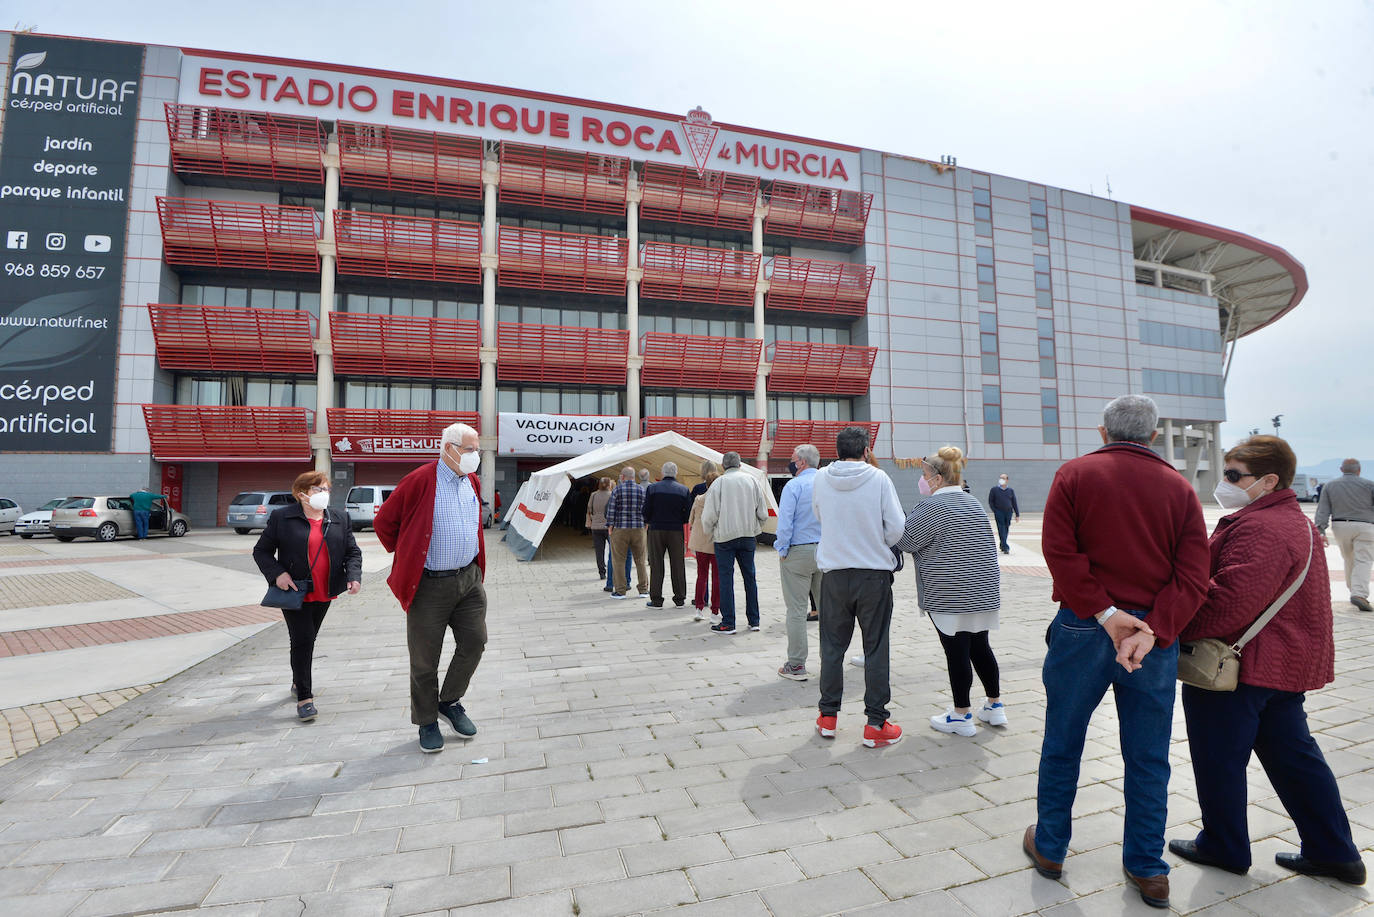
(1257, 552)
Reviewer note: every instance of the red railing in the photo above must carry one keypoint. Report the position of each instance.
(690, 273)
(676, 195)
(225, 339)
(227, 234)
(805, 285)
(567, 261)
(830, 369)
(421, 162)
(212, 433)
(538, 176)
(369, 435)
(811, 212)
(245, 144)
(365, 344)
(561, 353)
(699, 362)
(789, 434)
(723, 434)
(408, 248)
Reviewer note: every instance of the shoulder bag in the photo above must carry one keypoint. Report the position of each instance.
(291, 599)
(1213, 664)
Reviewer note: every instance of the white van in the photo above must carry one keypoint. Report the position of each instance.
(364, 501)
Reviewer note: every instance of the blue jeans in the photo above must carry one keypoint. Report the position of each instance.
(1003, 517)
(1079, 667)
(610, 574)
(141, 517)
(727, 553)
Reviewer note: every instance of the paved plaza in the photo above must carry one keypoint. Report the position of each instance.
(627, 761)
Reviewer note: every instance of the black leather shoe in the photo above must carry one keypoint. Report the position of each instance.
(456, 715)
(1190, 852)
(1352, 873)
(1361, 603)
(652, 604)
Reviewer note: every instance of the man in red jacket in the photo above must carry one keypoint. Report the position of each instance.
(433, 523)
(1126, 545)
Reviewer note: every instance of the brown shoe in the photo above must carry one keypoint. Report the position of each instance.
(1047, 868)
(1154, 890)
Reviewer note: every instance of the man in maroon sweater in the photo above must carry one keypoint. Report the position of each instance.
(1124, 539)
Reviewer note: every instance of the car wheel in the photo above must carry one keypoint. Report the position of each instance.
(178, 529)
(108, 531)
(242, 531)
(65, 538)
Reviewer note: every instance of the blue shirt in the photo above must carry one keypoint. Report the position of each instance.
(457, 513)
(797, 522)
(626, 507)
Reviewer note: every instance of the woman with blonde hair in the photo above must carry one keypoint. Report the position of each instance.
(702, 544)
(958, 584)
(596, 521)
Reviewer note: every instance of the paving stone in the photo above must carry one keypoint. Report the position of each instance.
(108, 873)
(357, 902)
(610, 834)
(166, 895)
(270, 883)
(679, 853)
(860, 850)
(913, 875)
(565, 872)
(746, 874)
(629, 896)
(827, 895)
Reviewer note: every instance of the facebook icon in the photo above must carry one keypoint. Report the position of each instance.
(17, 238)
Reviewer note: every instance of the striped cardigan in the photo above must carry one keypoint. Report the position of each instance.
(956, 554)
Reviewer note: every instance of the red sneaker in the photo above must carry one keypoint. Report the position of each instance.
(878, 736)
(825, 725)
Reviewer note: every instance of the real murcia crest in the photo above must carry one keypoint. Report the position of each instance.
(701, 136)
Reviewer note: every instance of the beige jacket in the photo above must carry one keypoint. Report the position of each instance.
(700, 540)
(735, 507)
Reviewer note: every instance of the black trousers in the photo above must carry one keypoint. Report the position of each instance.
(457, 603)
(303, 626)
(850, 597)
(965, 652)
(599, 539)
(1223, 728)
(672, 543)
(1003, 517)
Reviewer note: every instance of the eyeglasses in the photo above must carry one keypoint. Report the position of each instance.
(318, 489)
(466, 449)
(1234, 476)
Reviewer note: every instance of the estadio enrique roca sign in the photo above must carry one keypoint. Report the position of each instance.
(558, 434)
(694, 142)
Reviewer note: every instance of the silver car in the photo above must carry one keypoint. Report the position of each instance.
(106, 518)
(9, 514)
(250, 509)
(38, 521)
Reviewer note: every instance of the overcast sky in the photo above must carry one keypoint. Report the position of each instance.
(1254, 116)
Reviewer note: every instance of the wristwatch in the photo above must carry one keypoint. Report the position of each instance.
(1102, 616)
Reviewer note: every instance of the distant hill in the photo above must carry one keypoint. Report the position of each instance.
(1331, 468)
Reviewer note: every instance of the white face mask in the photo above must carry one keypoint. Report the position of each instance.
(469, 462)
(1002, 483)
(1229, 496)
(320, 500)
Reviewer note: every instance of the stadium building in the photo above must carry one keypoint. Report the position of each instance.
(224, 269)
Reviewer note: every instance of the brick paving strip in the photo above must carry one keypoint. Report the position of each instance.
(96, 633)
(22, 729)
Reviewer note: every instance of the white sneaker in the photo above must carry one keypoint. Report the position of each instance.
(953, 723)
(857, 660)
(993, 714)
(715, 617)
(698, 616)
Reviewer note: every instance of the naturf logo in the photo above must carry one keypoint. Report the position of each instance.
(701, 136)
(63, 87)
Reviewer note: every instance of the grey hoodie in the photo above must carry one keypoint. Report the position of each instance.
(860, 515)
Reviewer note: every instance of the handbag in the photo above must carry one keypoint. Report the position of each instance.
(291, 599)
(1213, 664)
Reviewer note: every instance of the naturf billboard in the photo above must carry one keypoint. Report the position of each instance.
(66, 154)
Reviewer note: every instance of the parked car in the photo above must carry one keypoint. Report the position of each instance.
(250, 509)
(106, 518)
(364, 500)
(37, 522)
(9, 514)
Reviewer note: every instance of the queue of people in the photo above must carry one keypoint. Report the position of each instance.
(1136, 581)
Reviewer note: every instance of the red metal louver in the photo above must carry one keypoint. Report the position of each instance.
(408, 248)
(676, 195)
(820, 369)
(370, 435)
(699, 362)
(806, 285)
(420, 162)
(567, 261)
(538, 176)
(812, 212)
(401, 345)
(694, 274)
(561, 353)
(228, 234)
(226, 339)
(245, 144)
(724, 434)
(213, 433)
(789, 434)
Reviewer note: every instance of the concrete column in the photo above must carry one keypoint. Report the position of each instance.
(761, 376)
(633, 361)
(487, 352)
(324, 352)
(1215, 454)
(1169, 441)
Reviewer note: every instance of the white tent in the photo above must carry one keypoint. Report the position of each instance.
(532, 511)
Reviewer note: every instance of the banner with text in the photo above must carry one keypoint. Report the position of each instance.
(558, 434)
(71, 111)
